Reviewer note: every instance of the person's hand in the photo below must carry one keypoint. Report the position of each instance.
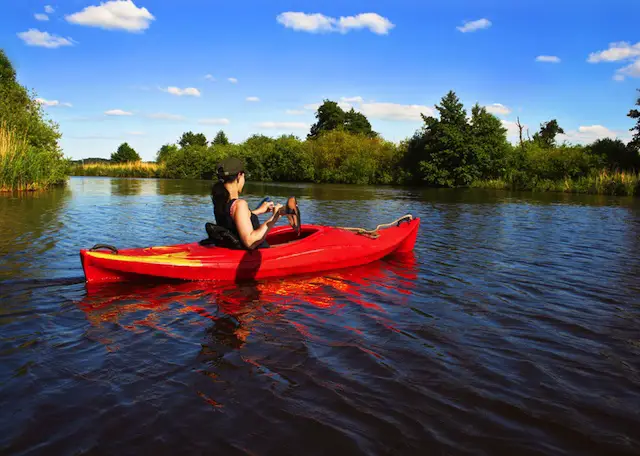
(267, 206)
(277, 209)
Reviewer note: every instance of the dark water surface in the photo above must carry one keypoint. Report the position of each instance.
(514, 328)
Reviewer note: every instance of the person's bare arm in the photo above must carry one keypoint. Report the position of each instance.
(242, 218)
(263, 208)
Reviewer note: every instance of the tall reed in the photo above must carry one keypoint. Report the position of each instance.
(25, 167)
(603, 182)
(129, 169)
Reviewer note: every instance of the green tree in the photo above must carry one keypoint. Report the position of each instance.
(187, 163)
(164, 151)
(125, 153)
(357, 123)
(341, 157)
(256, 151)
(635, 114)
(616, 154)
(7, 73)
(22, 113)
(290, 162)
(548, 132)
(330, 117)
(441, 154)
(220, 139)
(192, 139)
(489, 142)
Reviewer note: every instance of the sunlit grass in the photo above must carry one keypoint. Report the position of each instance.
(129, 169)
(602, 182)
(25, 167)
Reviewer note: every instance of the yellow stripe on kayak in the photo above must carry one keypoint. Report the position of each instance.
(171, 259)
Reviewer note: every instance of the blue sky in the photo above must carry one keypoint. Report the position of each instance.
(148, 70)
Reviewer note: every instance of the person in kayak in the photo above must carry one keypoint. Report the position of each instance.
(233, 213)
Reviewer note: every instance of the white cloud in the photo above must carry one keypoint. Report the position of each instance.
(41, 17)
(209, 77)
(394, 111)
(382, 111)
(165, 116)
(372, 21)
(49, 9)
(312, 23)
(497, 108)
(232, 80)
(472, 26)
(283, 125)
(351, 99)
(616, 52)
(214, 121)
(50, 103)
(548, 59)
(112, 15)
(118, 112)
(589, 133)
(632, 70)
(189, 91)
(295, 112)
(136, 133)
(318, 23)
(35, 37)
(254, 99)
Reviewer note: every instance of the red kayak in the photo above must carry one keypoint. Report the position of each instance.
(315, 248)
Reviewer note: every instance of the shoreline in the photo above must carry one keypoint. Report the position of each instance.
(600, 183)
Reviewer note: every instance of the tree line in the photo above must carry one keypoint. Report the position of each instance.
(452, 150)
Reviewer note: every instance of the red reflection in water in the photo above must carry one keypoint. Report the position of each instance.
(362, 286)
(229, 312)
(378, 281)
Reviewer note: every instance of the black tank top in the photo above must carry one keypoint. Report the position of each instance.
(228, 223)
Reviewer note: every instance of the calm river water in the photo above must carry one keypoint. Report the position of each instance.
(514, 328)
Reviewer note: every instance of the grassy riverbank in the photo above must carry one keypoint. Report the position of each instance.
(129, 169)
(603, 182)
(30, 157)
(27, 167)
(600, 183)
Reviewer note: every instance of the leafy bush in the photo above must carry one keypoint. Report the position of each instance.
(30, 157)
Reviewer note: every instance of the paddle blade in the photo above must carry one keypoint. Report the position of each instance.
(293, 214)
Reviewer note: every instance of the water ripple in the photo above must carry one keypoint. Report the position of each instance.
(512, 329)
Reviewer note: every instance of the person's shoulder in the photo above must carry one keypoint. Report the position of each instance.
(240, 204)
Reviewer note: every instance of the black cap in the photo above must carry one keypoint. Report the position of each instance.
(230, 167)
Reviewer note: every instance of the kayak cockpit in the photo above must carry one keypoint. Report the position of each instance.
(279, 237)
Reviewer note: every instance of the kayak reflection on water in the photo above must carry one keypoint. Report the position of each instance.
(229, 312)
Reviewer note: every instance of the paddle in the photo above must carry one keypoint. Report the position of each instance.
(292, 211)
